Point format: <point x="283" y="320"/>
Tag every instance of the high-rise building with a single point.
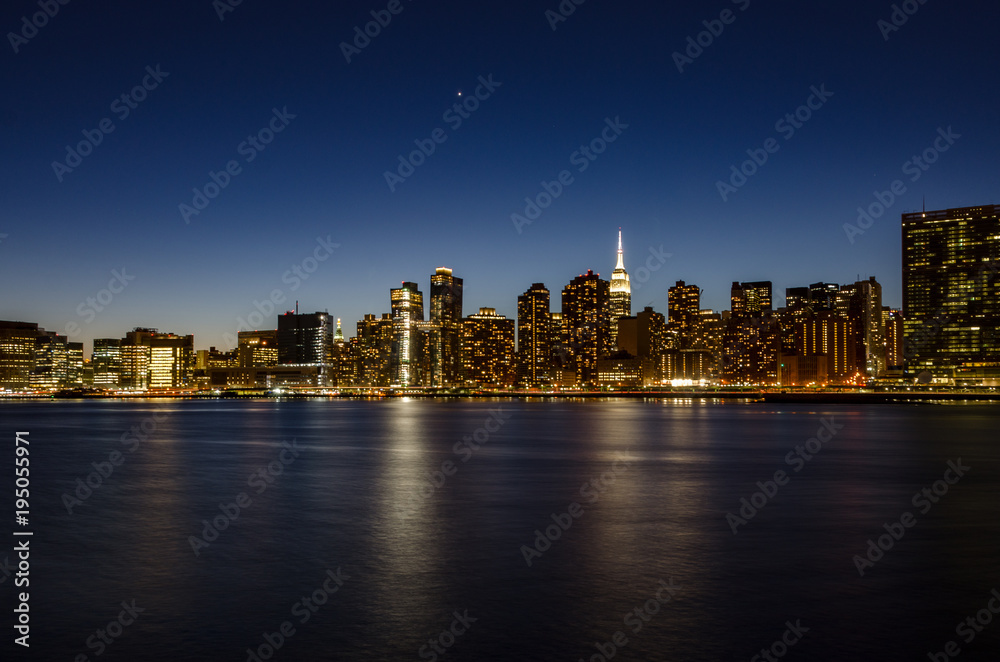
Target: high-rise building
<point x="171" y="361"/>
<point x="892" y="322"/>
<point x="644" y="338"/>
<point x="534" y="337"/>
<point x="135" y="359"/>
<point x="683" y="309"/>
<point x="305" y="339"/>
<point x="750" y="351"/>
<point x="446" y="335"/>
<point x="347" y="359"/>
<point x="866" y="311"/>
<point x="51" y="369"/>
<point x="17" y="354"/>
<point x="107" y="361"/>
<point x="833" y="336"/>
<point x="257" y="349"/>
<point x="374" y="350"/>
<point x="338" y="335"/>
<point x="74" y="365"/>
<point x="488" y="349"/>
<point x="750" y="299"/>
<point x="644" y="335"/>
<point x="823" y="296"/>
<point x="587" y="317"/>
<point x="406" y="357"/>
<point x="796" y="297"/>
<point x="951" y="293"/>
<point x="621" y="291"/>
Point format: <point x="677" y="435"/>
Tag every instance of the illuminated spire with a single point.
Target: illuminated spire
<point x="621" y="288"/>
<point x="338" y="337"/>
<point x="621" y="255"/>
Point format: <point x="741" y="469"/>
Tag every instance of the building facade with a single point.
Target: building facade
<point x="446" y="338"/>
<point x="534" y="337"/>
<point x="488" y="349"/>
<point x="586" y="314"/>
<point x="951" y="293"/>
<point x="620" y="292"/>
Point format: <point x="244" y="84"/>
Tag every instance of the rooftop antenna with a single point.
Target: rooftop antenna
<point x="296" y="306"/>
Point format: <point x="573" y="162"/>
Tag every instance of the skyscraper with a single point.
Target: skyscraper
<point x="866" y="309"/>
<point x="446" y="336"/>
<point x="534" y="336"/>
<point x="17" y="354"/>
<point x="107" y="361"/>
<point x="488" y="349"/>
<point x="171" y="360"/>
<point x="51" y="361"/>
<point x="135" y="359"/>
<point x="621" y="291"/>
<point x="684" y="312"/>
<point x="407" y="311"/>
<point x="750" y="299"/>
<point x="586" y="313"/>
<point x="305" y="339"/>
<point x="338" y="335"/>
<point x="374" y="349"/>
<point x="892" y="324"/>
<point x="951" y="293"/>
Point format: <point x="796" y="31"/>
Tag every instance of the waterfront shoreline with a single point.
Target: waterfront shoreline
<point x="764" y="397"/>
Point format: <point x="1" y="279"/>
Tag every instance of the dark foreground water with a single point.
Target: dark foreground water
<point x="404" y="557"/>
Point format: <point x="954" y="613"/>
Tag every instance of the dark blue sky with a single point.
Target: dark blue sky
<point x="323" y="175"/>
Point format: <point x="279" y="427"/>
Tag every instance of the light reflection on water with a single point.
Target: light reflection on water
<point x="352" y="499"/>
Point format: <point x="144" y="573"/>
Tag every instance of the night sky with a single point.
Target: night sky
<point x="323" y="175"/>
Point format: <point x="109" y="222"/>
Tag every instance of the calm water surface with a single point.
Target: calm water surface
<point x="360" y="496"/>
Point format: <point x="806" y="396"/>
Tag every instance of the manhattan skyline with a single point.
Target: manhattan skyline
<point x="345" y="124"/>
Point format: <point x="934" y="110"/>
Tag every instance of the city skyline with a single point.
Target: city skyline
<point x="321" y="171"/>
<point x="255" y="312"/>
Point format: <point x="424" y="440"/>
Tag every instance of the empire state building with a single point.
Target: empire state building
<point x="621" y="293"/>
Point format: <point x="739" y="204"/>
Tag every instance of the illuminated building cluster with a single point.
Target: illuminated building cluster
<point x="825" y="334"/>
